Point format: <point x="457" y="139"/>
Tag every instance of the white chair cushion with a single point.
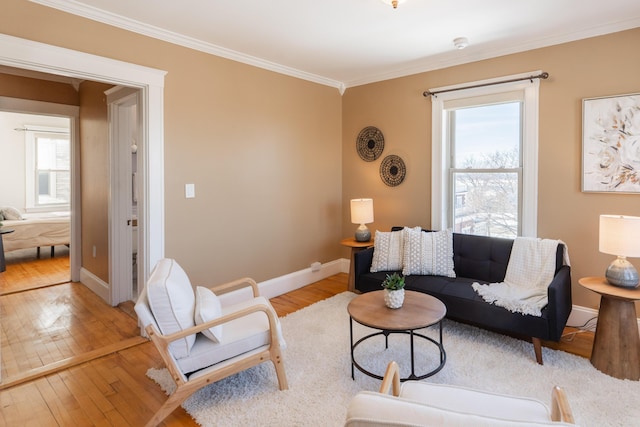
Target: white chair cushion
<point x="172" y="303"/>
<point x="368" y="409"/>
<point x="208" y="308"/>
<point x="240" y="336"/>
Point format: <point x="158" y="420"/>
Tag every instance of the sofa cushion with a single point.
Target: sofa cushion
<point x="428" y="253"/>
<point x="172" y="303"/>
<point x="388" y="251"/>
<point x="480" y="257"/>
<point x="208" y="308"/>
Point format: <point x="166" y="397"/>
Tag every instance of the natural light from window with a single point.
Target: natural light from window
<point x="486" y="169"/>
<point x="48" y="168"/>
<point x="53" y="182"/>
<point x="484" y="154"/>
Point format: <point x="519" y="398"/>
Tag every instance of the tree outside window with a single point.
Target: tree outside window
<point x="486" y="168"/>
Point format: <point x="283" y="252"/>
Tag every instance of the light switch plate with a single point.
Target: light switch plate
<point x="189" y="191"/>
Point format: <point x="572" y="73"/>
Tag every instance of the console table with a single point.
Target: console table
<point x="616" y="345"/>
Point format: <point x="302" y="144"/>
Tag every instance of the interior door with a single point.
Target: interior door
<point x="124" y="124"/>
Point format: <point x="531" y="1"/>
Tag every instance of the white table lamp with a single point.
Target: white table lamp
<point x="362" y="213"/>
<point x="620" y="236"/>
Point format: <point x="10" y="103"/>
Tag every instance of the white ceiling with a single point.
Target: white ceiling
<point x="345" y="43"/>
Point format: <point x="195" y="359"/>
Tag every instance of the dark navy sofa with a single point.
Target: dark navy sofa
<point x="484" y="260"/>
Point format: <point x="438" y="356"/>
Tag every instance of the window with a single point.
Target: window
<point x="485" y="160"/>
<point x="48" y="177"/>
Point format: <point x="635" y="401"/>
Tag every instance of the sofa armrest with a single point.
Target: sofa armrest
<point x="560" y="304"/>
<point x="362" y="263"/>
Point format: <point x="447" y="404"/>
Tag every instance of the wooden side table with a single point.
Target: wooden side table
<point x="616" y="345"/>
<point x="355" y="248"/>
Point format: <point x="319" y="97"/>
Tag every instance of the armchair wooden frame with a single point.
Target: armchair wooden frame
<point x="560" y="409"/>
<point x="185" y="386"/>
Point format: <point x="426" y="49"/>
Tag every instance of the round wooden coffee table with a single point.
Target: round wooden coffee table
<point x="418" y="311"/>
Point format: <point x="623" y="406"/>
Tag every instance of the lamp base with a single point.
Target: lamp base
<point x="363" y="234"/>
<point x="622" y="273"/>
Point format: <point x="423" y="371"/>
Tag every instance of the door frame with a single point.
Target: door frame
<point x="36" y="56"/>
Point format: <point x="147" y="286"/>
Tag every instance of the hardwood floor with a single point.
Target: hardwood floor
<point x="26" y="271"/>
<point x="104" y="385"/>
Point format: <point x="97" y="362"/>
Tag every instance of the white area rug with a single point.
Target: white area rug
<point x="318" y="368"/>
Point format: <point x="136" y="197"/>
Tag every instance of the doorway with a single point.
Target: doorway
<point x="25" y="54"/>
<point x="37" y="181"/>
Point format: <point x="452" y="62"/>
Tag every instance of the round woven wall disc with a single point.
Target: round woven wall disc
<point x="392" y="170"/>
<point x="370" y="143"/>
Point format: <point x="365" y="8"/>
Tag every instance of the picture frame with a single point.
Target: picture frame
<point x="611" y="144"/>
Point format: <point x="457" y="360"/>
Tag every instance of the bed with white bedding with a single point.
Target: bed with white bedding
<point x="36" y="231"/>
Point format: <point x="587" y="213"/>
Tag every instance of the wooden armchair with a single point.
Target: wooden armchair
<point x="207" y="335"/>
<point x="419" y="403"/>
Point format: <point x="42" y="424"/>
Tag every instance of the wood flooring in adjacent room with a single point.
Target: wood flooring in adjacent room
<point x="87" y="360"/>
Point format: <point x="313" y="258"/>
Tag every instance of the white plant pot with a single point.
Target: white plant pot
<point x="394" y="299"/>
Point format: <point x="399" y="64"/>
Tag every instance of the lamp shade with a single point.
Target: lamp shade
<point x="620" y="235"/>
<point x="361" y="211"/>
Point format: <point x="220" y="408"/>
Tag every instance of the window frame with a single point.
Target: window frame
<point x="441" y="153"/>
<point x="31" y="136"/>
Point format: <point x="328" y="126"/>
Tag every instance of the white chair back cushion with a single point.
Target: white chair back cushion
<point x="374" y="409"/>
<point x="172" y="303"/>
<point x="477" y="402"/>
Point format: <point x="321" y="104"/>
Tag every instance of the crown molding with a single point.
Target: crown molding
<point x="89" y="12"/>
<point x="450" y="59"/>
<point x="432" y="63"/>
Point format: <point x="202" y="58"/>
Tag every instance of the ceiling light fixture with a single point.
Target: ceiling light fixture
<point x="394" y="3"/>
<point x="460" y="42"/>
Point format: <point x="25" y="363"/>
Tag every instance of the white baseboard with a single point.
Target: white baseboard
<point x="581" y="315"/>
<point x="93" y="282"/>
<point x="292" y="281"/>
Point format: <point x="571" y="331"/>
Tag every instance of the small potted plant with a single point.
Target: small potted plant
<point x="393" y="290"/>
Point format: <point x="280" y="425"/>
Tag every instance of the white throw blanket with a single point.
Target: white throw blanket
<point x="531" y="268"/>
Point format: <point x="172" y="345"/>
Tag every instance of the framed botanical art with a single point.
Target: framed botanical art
<point x="611" y="144"/>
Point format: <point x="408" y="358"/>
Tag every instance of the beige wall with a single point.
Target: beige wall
<point x="94" y="175"/>
<point x="37" y="90"/>
<point x="274" y="162"/>
<point x="263" y="149"/>
<point x="590" y="68"/>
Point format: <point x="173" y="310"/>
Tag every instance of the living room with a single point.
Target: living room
<point x="273" y="156"/>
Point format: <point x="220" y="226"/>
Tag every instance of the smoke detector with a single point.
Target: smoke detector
<point x="460" y="42"/>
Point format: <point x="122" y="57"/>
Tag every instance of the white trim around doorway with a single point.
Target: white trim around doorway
<point x="36" y="56"/>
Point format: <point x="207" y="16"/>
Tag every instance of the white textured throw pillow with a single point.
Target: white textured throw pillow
<point x="428" y="252"/>
<point x="208" y="308"/>
<point x="388" y="251"/>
